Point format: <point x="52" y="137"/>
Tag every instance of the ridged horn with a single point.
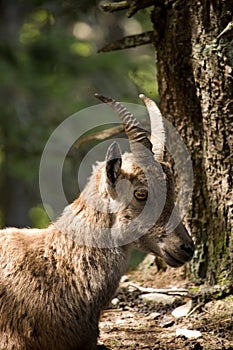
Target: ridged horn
<point x="158" y="135"/>
<point x="133" y="129"/>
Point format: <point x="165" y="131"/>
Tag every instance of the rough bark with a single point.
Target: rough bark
<point x="195" y="64"/>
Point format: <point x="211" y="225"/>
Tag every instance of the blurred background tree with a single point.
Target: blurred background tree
<point x="50" y="69"/>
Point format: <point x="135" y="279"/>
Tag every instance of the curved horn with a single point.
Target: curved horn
<point x="158" y="136"/>
<point x="133" y="129"/>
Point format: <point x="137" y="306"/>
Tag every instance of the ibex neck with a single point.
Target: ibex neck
<point x="84" y="224"/>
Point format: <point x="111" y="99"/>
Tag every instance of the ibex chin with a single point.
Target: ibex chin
<point x="55" y="282"/>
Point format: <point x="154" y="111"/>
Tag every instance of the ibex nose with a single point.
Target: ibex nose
<point x="188" y="249"/>
<point x="187" y="246"/>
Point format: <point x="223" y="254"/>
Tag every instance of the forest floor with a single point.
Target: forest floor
<point x="132" y="323"/>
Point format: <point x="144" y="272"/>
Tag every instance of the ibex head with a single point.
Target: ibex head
<point x="140" y="191"/>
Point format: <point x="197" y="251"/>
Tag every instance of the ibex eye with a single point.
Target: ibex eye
<point x="141" y="195"/>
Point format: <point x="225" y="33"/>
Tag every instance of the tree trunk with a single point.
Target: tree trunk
<point x="195" y="63"/>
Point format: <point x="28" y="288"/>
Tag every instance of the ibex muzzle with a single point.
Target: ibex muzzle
<point x="177" y="247"/>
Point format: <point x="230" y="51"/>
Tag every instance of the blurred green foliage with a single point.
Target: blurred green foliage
<point x="39" y="216"/>
<point x="136" y="258"/>
<point x="49" y="69"/>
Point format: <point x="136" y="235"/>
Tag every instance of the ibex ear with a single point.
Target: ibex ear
<point x="113" y="162"/>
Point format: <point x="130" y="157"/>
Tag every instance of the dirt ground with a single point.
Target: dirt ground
<point x="133" y="324"/>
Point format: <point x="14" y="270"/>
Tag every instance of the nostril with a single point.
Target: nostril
<point x="188" y="249"/>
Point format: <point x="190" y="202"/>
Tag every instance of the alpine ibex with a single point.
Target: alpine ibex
<point x="54" y="282"/>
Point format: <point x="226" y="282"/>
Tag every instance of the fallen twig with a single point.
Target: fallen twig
<point x="175" y="291"/>
<point x="195" y="308"/>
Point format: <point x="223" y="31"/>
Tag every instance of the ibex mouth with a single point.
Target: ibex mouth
<point x="178" y="248"/>
<point x="174" y="261"/>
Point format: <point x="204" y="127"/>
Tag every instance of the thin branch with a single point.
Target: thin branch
<point x="226" y="30"/>
<point x="132" y="6"/>
<point x="114" y="6"/>
<point x="104" y="134"/>
<point x="137" y="5"/>
<point x="129" y="41"/>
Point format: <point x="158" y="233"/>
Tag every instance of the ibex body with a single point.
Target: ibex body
<point x="54" y="282"/>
